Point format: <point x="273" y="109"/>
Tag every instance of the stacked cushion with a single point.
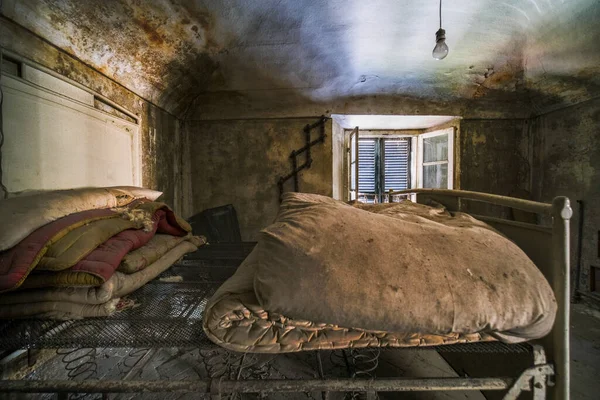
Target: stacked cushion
<point x="77" y="239"/>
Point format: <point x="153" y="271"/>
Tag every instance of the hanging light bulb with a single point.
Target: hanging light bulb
<point x="440" y="51"/>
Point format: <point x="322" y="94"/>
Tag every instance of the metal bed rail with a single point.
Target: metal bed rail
<point x="533" y="379"/>
<point x="512" y="202"/>
<point x="217" y="388"/>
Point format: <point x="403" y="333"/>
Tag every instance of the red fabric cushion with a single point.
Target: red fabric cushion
<point x="17" y="262"/>
<point x="104" y="260"/>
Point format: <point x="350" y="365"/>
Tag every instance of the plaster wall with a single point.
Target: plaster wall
<point x="241" y="161"/>
<point x="493" y="157"/>
<point x="566" y="162"/>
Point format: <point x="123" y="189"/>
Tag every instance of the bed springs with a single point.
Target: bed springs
<point x="364" y="362"/>
<point x="131" y="360"/>
<point x="80" y="364"/>
<point x="359" y="364"/>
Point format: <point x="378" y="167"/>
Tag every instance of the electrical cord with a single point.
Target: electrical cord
<point x="440" y="14"/>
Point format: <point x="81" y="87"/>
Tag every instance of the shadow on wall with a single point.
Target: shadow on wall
<point x="241" y="161"/>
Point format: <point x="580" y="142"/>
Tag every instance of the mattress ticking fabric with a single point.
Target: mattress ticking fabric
<point x="85" y="248"/>
<point x="27" y="212"/>
<point x="329" y="275"/>
<point x="65" y="303"/>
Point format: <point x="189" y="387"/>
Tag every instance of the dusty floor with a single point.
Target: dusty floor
<point x="585" y="353"/>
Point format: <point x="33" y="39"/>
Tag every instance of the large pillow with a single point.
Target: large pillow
<point x="20" y="216"/>
<point x="326" y="261"/>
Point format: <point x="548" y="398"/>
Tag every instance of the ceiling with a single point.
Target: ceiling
<point x="392" y="122"/>
<point x="327" y="52"/>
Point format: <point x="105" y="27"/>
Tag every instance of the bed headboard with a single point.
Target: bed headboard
<point x="548" y="248"/>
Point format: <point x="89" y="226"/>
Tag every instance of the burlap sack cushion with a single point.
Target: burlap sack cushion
<point x="326" y="261"/>
<point x="22" y="215"/>
<point x="235" y="320"/>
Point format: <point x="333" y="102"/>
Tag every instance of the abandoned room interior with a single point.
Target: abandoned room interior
<point x="323" y="199"/>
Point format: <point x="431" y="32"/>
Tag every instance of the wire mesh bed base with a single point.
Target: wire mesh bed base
<point x="108" y="355"/>
<point x="167" y="312"/>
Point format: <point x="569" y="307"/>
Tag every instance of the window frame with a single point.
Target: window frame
<point x="450" y="162"/>
<point x="352" y="163"/>
<point x="415" y="157"/>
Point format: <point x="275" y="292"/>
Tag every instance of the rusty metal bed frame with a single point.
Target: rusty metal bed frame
<point x="170" y="315"/>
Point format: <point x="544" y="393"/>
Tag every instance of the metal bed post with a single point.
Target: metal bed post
<point x="562" y="213"/>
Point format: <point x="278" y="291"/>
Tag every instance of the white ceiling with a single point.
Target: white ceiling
<point x="391" y="122"/>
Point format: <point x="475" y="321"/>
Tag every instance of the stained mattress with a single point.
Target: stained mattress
<point x="328" y="275"/>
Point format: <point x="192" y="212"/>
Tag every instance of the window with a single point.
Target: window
<point x="378" y="163"/>
<point x="435" y="160"/>
<point x="383" y="165"/>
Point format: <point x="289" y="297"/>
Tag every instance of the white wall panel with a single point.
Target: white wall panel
<point x="53" y="141"/>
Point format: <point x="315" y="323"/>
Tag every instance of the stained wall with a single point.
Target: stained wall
<point x="239" y="162"/>
<point x="566" y="162"/>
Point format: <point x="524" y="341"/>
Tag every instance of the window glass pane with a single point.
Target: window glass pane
<point x="435" y="176"/>
<point x="353" y="176"/>
<point x="435" y="148"/>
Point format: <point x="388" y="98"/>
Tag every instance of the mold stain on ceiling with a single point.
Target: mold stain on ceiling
<point x="172" y="51"/>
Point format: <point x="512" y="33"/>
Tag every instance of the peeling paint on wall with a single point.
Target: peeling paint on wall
<point x="159" y="50"/>
<point x="266" y="58"/>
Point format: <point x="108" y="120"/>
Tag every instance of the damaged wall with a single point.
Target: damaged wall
<point x="159" y="50"/>
<point x="161" y="137"/>
<point x="566" y="162"/>
<point x="240" y="162"/>
<point x="494" y="156"/>
<point x="163" y="155"/>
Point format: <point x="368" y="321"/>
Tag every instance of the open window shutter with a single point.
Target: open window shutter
<point x="367" y="149"/>
<point x="435" y="160"/>
<point x="396" y="159"/>
<point x="353" y="164"/>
